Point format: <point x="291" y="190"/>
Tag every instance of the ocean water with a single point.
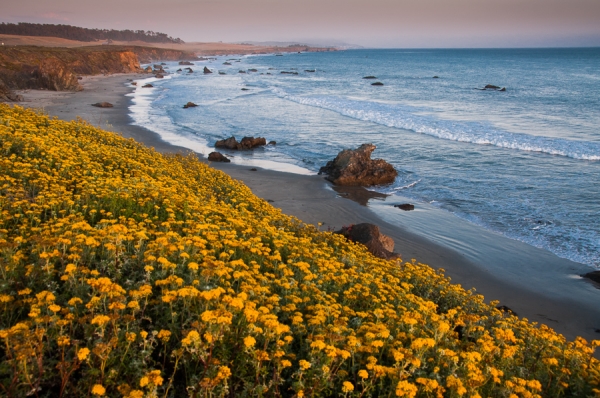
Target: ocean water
<point x="524" y="162"/>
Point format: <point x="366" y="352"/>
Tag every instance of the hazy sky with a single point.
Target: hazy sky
<point x="372" y="23"/>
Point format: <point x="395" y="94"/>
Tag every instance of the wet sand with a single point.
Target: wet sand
<point x="537" y="285"/>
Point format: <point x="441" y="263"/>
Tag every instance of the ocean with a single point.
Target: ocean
<point x="523" y="163"/>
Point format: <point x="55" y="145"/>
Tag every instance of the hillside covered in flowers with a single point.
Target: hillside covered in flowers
<point x="127" y="273"/>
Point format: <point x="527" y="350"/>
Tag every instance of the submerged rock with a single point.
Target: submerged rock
<point x="103" y="105"/>
<point x="189" y="105"/>
<point x="378" y="244"/>
<point x="377" y="84"/>
<point x="370" y="77"/>
<point x="207" y="71"/>
<point x="405" y="206"/>
<point x="218" y="157"/>
<point x="147" y="85"/>
<point x="185" y="63"/>
<point x="355" y="167"/>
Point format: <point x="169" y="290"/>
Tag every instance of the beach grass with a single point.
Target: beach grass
<point x="125" y="272"/>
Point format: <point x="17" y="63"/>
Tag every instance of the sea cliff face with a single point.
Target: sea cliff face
<point x="52" y="68"/>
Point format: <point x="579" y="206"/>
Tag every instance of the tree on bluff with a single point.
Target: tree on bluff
<point x="84" y="34"/>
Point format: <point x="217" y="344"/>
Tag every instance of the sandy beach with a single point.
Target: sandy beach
<point x="557" y="298"/>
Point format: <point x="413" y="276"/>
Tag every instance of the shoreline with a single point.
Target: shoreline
<point x="311" y="199"/>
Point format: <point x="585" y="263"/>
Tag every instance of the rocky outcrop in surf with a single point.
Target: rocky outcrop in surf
<point x="355" y="167"/>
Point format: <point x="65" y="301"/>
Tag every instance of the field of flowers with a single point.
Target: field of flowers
<point x="127" y="273"/>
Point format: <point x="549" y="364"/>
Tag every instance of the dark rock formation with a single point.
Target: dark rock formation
<point x="148" y="69"/>
<point x="245" y="143"/>
<point x="189" y="105"/>
<point x="245" y="89"/>
<point x="103" y="105"/>
<point x="594" y="276"/>
<point x="492" y="87"/>
<point x="159" y="76"/>
<point x="242" y="71"/>
<point x="252" y="70"/>
<point x="377" y="84"/>
<point x="251" y="142"/>
<point x="436" y="77"/>
<point x="378" y="244"/>
<point x="222" y="73"/>
<point x="179" y="70"/>
<point x="283" y="72"/>
<point x="134" y="83"/>
<point x="156" y="66"/>
<point x="310" y="70"/>
<point x="502" y="89"/>
<point x="207" y="71"/>
<point x="147" y="85"/>
<point x="185" y="63"/>
<point x="6" y="94"/>
<point x="272" y="143"/>
<point x="370" y="77"/>
<point x="355" y="167"/>
<point x="226" y="63"/>
<point x="217" y="157"/>
<point x="405" y="206"/>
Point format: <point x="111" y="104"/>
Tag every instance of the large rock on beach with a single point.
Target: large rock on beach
<point x="378" y="244"/>
<point x="594" y="276"/>
<point x="245" y="143"/>
<point x="217" y="157"/>
<point x="355" y="167"/>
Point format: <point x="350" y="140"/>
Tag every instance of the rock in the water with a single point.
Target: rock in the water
<point x="594" y="275"/>
<point x="147" y="85"/>
<point x="229" y="143"/>
<point x="222" y="73"/>
<point x="252" y="70"/>
<point x="148" y="69"/>
<point x="492" y="87"/>
<point x="207" y="71"/>
<point x="502" y="89"/>
<point x="189" y="105"/>
<point x="226" y="63"/>
<point x="283" y="72"/>
<point x="377" y="84"/>
<point x="179" y="70"/>
<point x="310" y="70"/>
<point x="159" y="76"/>
<point x="405" y="206"/>
<point x="370" y="77"/>
<point x="217" y="157"/>
<point x="245" y="143"/>
<point x="242" y="71"/>
<point x="436" y="77"/>
<point x="355" y="167"/>
<point x="378" y="244"/>
<point x="272" y="143"/>
<point x="134" y="83"/>
<point x="103" y="105"/>
<point x="245" y="89"/>
<point x="156" y="66"/>
<point x="251" y="142"/>
<point x="185" y="63"/>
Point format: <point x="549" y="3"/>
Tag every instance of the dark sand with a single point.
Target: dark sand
<point x="572" y="311"/>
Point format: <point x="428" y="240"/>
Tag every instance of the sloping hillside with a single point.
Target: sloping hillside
<point x="127" y="273"/>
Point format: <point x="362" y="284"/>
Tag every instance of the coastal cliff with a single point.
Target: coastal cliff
<point x="54" y="68"/>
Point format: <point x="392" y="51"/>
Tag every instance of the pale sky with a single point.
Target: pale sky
<point x="372" y="23"/>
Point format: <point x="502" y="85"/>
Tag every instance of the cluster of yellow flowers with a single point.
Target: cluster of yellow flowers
<point x="127" y="273"/>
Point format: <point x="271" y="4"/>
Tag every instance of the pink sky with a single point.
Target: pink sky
<point x="373" y="23"/>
